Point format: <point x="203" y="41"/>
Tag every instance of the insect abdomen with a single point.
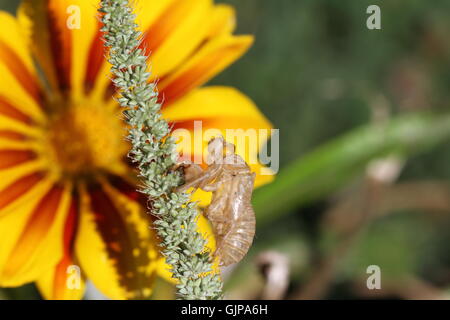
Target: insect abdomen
<point x="235" y="244"/>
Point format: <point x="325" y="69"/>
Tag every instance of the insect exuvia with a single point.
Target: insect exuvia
<point x="231" y="214"/>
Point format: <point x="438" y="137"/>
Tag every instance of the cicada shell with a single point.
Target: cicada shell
<point x="231" y="214"/>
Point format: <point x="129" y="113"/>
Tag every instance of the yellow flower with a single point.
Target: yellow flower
<point x="67" y="191"/>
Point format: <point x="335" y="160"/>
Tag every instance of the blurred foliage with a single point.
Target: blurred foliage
<point x="397" y="244"/>
<point x="319" y="73"/>
<point x="323" y="79"/>
<point x="315" y="68"/>
<point x="337" y="162"/>
<point x="9" y="5"/>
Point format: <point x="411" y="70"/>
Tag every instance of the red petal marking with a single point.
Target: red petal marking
<point x="20" y="71"/>
<point x="121" y="238"/>
<point x="111" y="227"/>
<point x="12" y="135"/>
<point x="6" y="109"/>
<point x="96" y="59"/>
<point x="190" y="79"/>
<point x="154" y="37"/>
<point x="60" y="45"/>
<point x="127" y="189"/>
<point x="11" y="158"/>
<point x="37" y="227"/>
<point x="60" y="278"/>
<point x="70" y="227"/>
<point x="18" y="188"/>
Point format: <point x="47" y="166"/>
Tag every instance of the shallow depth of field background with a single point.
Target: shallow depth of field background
<point x="318" y="73"/>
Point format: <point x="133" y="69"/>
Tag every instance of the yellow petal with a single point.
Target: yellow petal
<point x="65" y="281"/>
<point x="15" y="56"/>
<point x="12" y="225"/>
<point x="14" y="39"/>
<point x="13" y="120"/>
<point x="15" y="125"/>
<point x="208" y="112"/>
<point x="172" y="30"/>
<point x="45" y="26"/>
<point x="13" y="94"/>
<point x="32" y="18"/>
<point x="148" y="11"/>
<point x="57" y="282"/>
<point x="98" y="73"/>
<point x="11" y="144"/>
<point x="115" y="245"/>
<point x="34" y="238"/>
<point x="209" y="60"/>
<point x="223" y="20"/>
<point x="83" y="35"/>
<point x="177" y="33"/>
<point x="24" y="183"/>
<point x="216" y="102"/>
<point x="13" y="153"/>
<point x="202" y="197"/>
<point x="11" y="112"/>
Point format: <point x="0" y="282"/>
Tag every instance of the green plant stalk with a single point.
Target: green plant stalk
<point x="154" y="153"/>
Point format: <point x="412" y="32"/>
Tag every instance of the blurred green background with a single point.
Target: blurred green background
<point x="342" y="97"/>
<point x="323" y="77"/>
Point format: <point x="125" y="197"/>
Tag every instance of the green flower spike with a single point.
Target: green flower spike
<point x="154" y="153"/>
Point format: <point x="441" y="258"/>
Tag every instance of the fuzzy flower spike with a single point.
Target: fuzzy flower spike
<point x="154" y="152"/>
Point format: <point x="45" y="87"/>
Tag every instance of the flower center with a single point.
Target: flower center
<point x="87" y="137"/>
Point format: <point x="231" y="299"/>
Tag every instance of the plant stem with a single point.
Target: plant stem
<point x="154" y="153"/>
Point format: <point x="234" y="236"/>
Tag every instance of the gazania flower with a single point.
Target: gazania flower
<point x="67" y="191"/>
